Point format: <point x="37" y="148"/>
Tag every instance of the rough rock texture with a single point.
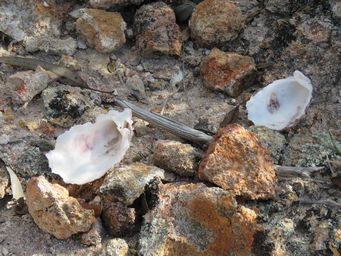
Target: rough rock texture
<point x="106" y="4"/>
<point x="94" y="235"/>
<point x="65" y="104"/>
<point x="192" y="219"/>
<point x="176" y="157"/>
<point x="272" y="140"/>
<point x="54" y="211"/>
<point x="118" y="219"/>
<point x="102" y="30"/>
<point x="215" y="22"/>
<point x="227" y="72"/>
<point x="4" y="181"/>
<point x="156" y="29"/>
<point x="51" y="45"/>
<point x="23" y="86"/>
<point x="20" y="19"/>
<point x="128" y="181"/>
<point x="237" y="162"/>
<point x="115" y="247"/>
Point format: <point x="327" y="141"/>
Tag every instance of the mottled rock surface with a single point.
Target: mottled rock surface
<point x="64" y="105"/>
<point x="227" y="72"/>
<point x="118" y="219"/>
<point x="176" y="157"/>
<point x="102" y="30"/>
<point x="215" y="22"/>
<point x="4" y="181"/>
<point x="115" y="247"/>
<point x="237" y="162"/>
<point x="192" y="219"/>
<point x="272" y="140"/>
<point x="106" y="4"/>
<point x="94" y="235"/>
<point x="23" y="86"/>
<point x="51" y="45"/>
<point x="127" y="182"/>
<point x="54" y="211"/>
<point x="156" y="30"/>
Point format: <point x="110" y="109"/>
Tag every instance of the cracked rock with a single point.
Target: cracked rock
<point x="54" y="211"/>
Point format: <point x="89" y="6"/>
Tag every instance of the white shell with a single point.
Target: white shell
<point x="86" y="152"/>
<point x="278" y="105"/>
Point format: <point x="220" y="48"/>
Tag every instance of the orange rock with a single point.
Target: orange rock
<point x="237" y="162"/>
<point x="54" y="211"/>
<point x="215" y="22"/>
<point x="156" y="30"/>
<point x="226" y="72"/>
<point x="102" y="30"/>
<point x="192" y="219"/>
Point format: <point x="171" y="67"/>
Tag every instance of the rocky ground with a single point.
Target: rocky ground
<point x="195" y="62"/>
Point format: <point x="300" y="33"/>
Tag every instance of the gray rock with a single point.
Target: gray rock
<point x="3" y="181"/>
<point x="176" y="157"/>
<point x="127" y="183"/>
<point x="272" y="140"/>
<point x="64" y="105"/>
<point x="51" y="45"/>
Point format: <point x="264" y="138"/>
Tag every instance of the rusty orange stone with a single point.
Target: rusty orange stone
<point x="237" y="162"/>
<point x="227" y="72"/>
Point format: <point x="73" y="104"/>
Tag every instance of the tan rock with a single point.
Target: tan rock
<point x="156" y="30"/>
<point x="215" y="22"/>
<point x="227" y="72"/>
<point x="102" y="30"/>
<point x="3" y="181"/>
<point x="54" y="211"/>
<point x="176" y="157"/>
<point x="115" y="247"/>
<point x="237" y="162"/>
<point x="192" y="219"/>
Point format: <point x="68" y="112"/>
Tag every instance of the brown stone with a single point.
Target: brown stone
<point x="237" y="162"/>
<point x="54" y="211"/>
<point x="118" y="219"/>
<point x="192" y="219"/>
<point x="226" y="72"/>
<point x="215" y="22"/>
<point x="176" y="157"/>
<point x="102" y="30"/>
<point x="156" y="30"/>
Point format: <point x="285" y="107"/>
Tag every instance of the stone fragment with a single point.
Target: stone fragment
<point x="156" y="30"/>
<point x="64" y="105"/>
<point x="54" y="211"/>
<point x="115" y="247"/>
<point x="272" y="140"/>
<point x="20" y="19"/>
<point x="136" y="87"/>
<point x="215" y="22"/>
<point x="51" y="45"/>
<point x="237" y="162"/>
<point x="227" y="72"/>
<point x="278" y="6"/>
<point x="118" y="219"/>
<point x="192" y="219"/>
<point x="102" y="30"/>
<point x="127" y="183"/>
<point x="94" y="235"/>
<point x="106" y="4"/>
<point x="316" y="30"/>
<point x="23" y="86"/>
<point x="3" y="181"/>
<point x="176" y="157"/>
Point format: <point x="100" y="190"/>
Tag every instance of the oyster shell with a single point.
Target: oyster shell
<point x="86" y="152"/>
<point x="281" y="103"/>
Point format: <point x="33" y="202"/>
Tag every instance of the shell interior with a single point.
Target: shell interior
<point x="278" y="105"/>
